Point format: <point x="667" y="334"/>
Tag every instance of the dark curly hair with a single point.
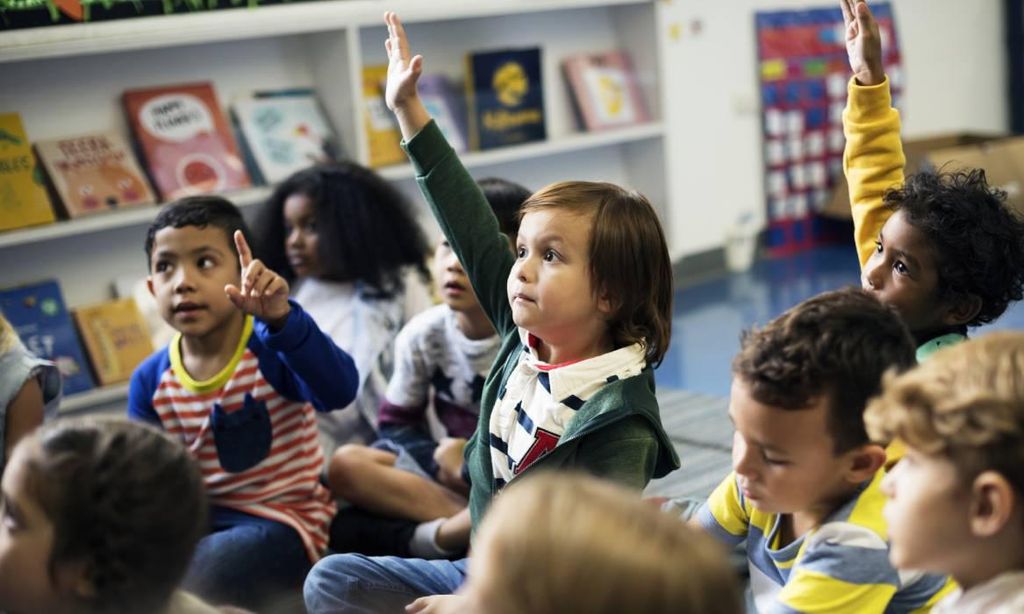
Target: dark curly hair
<point x="126" y="501"/>
<point x="978" y="242"/>
<point x="198" y="211"/>
<point x="505" y="198"/>
<point x="838" y="344"/>
<point x="368" y="232"/>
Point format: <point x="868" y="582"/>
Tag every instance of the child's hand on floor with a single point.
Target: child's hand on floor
<point x="264" y="293"/>
<point x="439" y="604"/>
<point x="863" y="42"/>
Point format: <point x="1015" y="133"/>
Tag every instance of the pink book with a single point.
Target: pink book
<point x="604" y="89"/>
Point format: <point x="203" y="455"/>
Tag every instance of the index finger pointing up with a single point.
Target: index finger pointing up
<point x="244" y="253"/>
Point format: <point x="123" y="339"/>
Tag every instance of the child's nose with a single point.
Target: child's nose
<point x="873" y="273"/>
<point x="182" y="279"/>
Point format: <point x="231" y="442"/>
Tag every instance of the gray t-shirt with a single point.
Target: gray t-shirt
<point x="17" y="365"/>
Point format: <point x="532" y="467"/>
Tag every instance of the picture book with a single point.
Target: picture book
<point x="94" y="173"/>
<point x="185" y="139"/>
<point x="283" y="132"/>
<point x="382" y="133"/>
<point x="23" y="198"/>
<point x="447" y="105"/>
<point x="38" y="314"/>
<point x="505" y="97"/>
<point x="115" y="337"/>
<point x="604" y="90"/>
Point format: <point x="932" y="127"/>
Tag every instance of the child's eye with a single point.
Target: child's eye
<point x="205" y="262"/>
<point x="878" y="247"/>
<point x="161" y="266"/>
<point x="901" y="268"/>
<point x="521" y="252"/>
<point x="311" y="227"/>
<point x="550" y="255"/>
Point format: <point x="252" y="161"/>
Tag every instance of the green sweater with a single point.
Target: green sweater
<point x="617" y="433"/>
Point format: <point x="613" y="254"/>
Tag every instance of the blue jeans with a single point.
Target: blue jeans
<point x="247" y="561"/>
<point x="358" y="584"/>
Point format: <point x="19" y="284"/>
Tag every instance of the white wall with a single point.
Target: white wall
<point x="954" y="64"/>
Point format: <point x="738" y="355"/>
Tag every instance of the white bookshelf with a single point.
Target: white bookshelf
<point x="67" y="80"/>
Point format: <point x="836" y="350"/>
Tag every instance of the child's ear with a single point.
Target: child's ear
<point x="73" y="579"/>
<point x="992" y="504"/>
<point x="962" y="310"/>
<point x="149" y="284"/>
<point x="865" y="461"/>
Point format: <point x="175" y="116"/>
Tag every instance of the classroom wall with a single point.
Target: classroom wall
<point x="954" y="64"/>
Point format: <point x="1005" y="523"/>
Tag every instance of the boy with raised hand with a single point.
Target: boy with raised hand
<point x="804" y="492"/>
<point x="956" y="500"/>
<point x="238" y="385"/>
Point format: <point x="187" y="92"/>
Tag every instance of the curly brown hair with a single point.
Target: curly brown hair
<point x="966" y="403"/>
<point x="629" y="259"/>
<point x="126" y="501"/>
<point x="839" y="344"/>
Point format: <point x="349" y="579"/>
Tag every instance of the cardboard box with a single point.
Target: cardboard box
<point x="1001" y="157"/>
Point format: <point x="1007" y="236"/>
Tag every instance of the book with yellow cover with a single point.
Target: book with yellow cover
<point x="115" y="337"/>
<point x="382" y="133"/>
<point x="23" y="198"/>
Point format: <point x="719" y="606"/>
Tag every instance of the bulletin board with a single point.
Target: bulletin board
<point x="804" y="71"/>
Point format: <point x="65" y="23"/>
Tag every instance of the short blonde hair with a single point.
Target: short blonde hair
<point x="8" y="336"/>
<point x="966" y="404"/>
<point x="571" y="543"/>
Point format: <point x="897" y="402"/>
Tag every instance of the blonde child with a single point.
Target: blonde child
<point x="956" y="500"/>
<point x="413" y="475"/>
<point x="584" y="312"/>
<point x="804" y="492"/>
<point x="349" y="244"/>
<point x="99" y="516"/>
<point x="571" y="543"/>
<point x="240" y="385"/>
<point x="29" y="390"/>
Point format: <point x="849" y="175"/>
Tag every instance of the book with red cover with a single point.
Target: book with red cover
<point x="185" y="139"/>
<point x="604" y="90"/>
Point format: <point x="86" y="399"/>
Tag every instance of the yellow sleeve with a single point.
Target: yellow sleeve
<point x="811" y="591"/>
<point x="724" y="515"/>
<point x="873" y="160"/>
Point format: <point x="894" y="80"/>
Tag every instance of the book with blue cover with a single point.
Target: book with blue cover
<point x="40" y="317"/>
<point x="283" y="132"/>
<point x="506" y="98"/>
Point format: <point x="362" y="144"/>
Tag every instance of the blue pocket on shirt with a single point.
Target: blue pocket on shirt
<point x="243" y="436"/>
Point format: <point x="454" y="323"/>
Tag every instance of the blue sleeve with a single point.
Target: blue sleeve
<point x="142" y="387"/>
<point x="303" y="364"/>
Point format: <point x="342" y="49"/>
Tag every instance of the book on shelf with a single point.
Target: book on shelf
<point x="382" y="133"/>
<point x="446" y="103"/>
<point x="281" y="132"/>
<point x="115" y="337"/>
<point x="23" y="198"/>
<point x="185" y="140"/>
<point x="93" y="173"/>
<point x="39" y="316"/>
<point x="604" y="90"/>
<point x="505" y="96"/>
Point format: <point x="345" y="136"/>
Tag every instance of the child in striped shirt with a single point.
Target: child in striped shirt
<point x="238" y="385"/>
<point x="804" y="492"/>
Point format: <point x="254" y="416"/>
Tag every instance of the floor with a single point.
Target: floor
<point x="693" y="380"/>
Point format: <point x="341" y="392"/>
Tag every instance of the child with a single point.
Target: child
<point x="584" y="312"/>
<point x="943" y="249"/>
<point x="352" y="249"/>
<point x="804" y="491"/>
<point x="956" y="500"/>
<point x="531" y="549"/>
<point x="236" y="386"/>
<point x="99" y="516"/>
<point x="29" y="390"/>
<point x="442" y="357"/>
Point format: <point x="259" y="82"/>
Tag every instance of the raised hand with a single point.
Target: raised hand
<point x="404" y="71"/>
<point x="863" y="42"/>
<point x="264" y="293"/>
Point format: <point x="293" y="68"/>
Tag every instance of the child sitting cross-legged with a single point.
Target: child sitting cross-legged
<point x="805" y="491"/>
<point x="408" y="477"/>
<point x="956" y="500"/>
<point x="240" y="385"/>
<point x="583" y="308"/>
